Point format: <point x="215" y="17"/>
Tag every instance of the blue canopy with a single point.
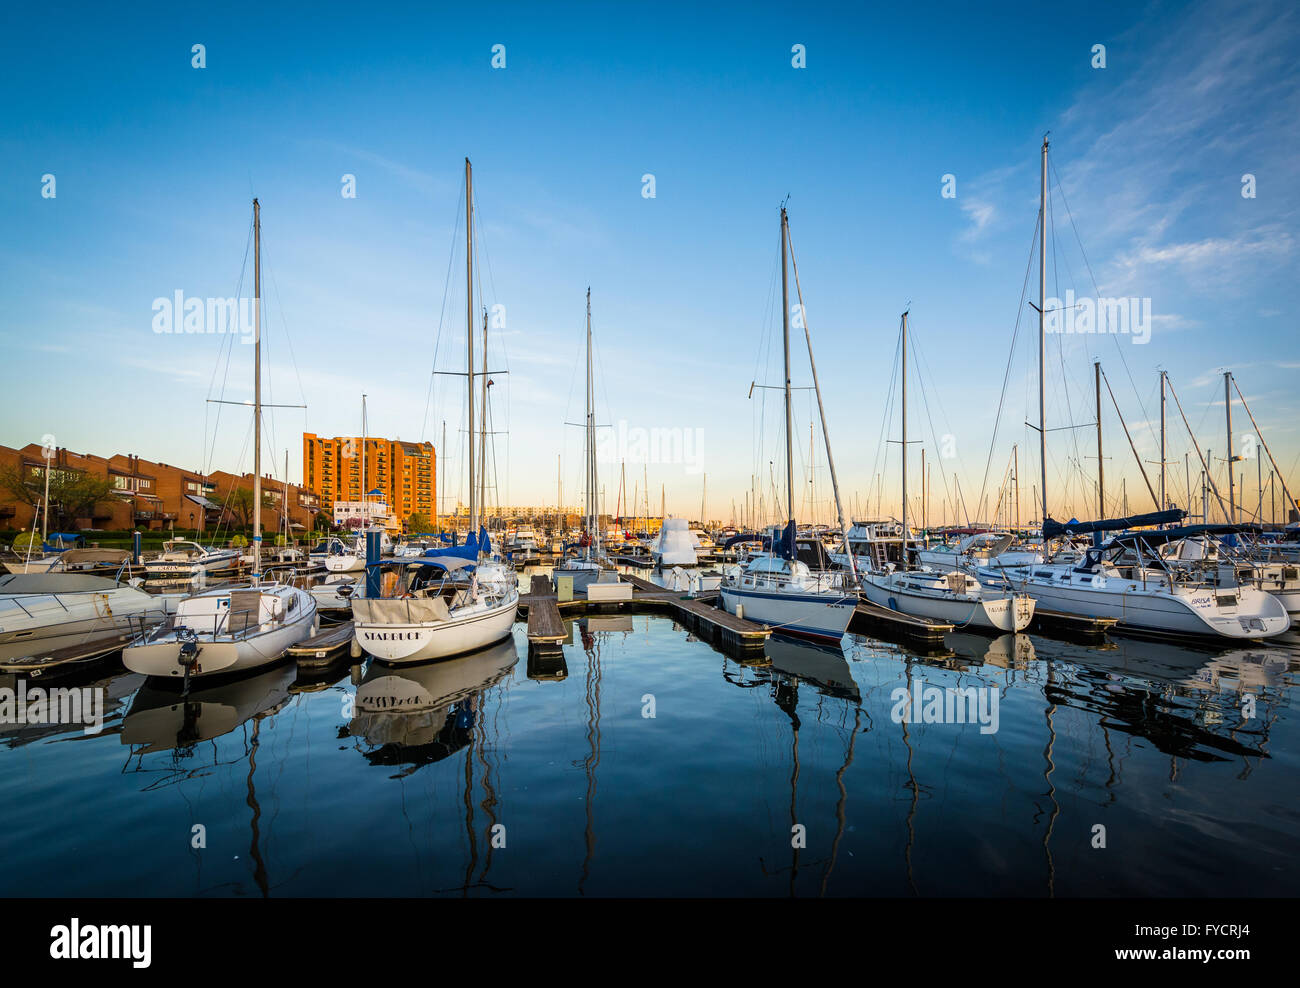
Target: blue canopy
<point x="470" y="550"/>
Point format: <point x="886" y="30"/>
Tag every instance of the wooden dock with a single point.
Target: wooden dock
<point x="699" y="614"/>
<point x="545" y="626"/>
<point x="328" y="645"/>
<point x="1070" y="625"/>
<point x="915" y="628"/>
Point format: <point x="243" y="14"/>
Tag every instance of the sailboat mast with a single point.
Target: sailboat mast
<point x="1101" y="469"/>
<point x="591" y="442"/>
<point x="365" y="435"/>
<point x="469" y="341"/>
<point x="1164" y="500"/>
<point x="484" y="427"/>
<point x="257" y="392"/>
<point x="904" y="446"/>
<point x="1042" y="330"/>
<point x="1227" y="404"/>
<point x="821" y="408"/>
<point x="785" y="336"/>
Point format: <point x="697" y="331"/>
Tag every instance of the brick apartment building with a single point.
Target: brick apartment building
<point x="405" y="473"/>
<point x="153" y="496"/>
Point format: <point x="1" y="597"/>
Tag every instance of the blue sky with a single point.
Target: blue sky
<point x="156" y="163"/>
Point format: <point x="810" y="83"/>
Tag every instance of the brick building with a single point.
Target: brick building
<point x="405" y="473"/>
<point x="150" y="495"/>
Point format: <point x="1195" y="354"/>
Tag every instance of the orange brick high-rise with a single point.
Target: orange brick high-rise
<point x="405" y="472"/>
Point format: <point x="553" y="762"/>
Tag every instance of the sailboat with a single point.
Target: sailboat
<point x="945" y="595"/>
<point x="776" y="588"/>
<point x="1141" y="591"/>
<point x="585" y="570"/>
<point x="435" y="621"/>
<point x="232" y="629"/>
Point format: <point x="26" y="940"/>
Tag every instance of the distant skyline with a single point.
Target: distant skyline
<point x="907" y="143"/>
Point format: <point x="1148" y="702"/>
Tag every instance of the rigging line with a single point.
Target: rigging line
<point x="1067" y="477"/>
<point x="1123" y="360"/>
<point x="437" y="340"/>
<point x="922" y="363"/>
<point x="228" y="343"/>
<point x="284" y="323"/>
<point x="1006" y="376"/>
<point x="880" y="460"/>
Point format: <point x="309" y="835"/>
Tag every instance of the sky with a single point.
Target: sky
<point x="155" y="163"/>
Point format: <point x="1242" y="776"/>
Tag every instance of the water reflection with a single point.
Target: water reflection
<point x="415" y="715"/>
<point x="160" y="719"/>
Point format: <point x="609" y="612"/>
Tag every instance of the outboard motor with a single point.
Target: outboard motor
<point x="188" y="656"/>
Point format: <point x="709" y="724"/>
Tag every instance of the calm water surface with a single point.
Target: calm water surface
<point x="497" y="775"/>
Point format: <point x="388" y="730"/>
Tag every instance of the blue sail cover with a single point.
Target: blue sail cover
<point x="1055" y="529"/>
<point x="470" y="550"/>
<point x="783" y="548"/>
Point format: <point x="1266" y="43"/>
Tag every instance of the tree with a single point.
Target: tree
<point x="418" y="521"/>
<point x="73" y="493"/>
<point x="239" y="501"/>
<point x="323" y="521"/>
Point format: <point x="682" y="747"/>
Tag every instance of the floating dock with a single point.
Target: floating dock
<point x="706" y="621"/>
<point x="328" y="645"/>
<point x="545" y="626"/>
<point x="918" y="629"/>
<point x="1059" y="624"/>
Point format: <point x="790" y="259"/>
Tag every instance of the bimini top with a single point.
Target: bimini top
<point x="452" y="564"/>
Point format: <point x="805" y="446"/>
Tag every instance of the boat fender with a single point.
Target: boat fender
<point x="893" y="604"/>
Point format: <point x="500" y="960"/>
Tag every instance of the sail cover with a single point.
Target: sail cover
<point x="1055" y="529"/>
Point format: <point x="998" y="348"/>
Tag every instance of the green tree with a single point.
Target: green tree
<point x="73" y="493"/>
<point x="323" y="521"/>
<point x="239" y="502"/>
<point x="418" y="521"/>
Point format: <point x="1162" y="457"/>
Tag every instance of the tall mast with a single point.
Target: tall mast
<point x="257" y="392"/>
<point x="284" y="507"/>
<point x="483" y="426"/>
<point x="440" y="468"/>
<point x="1164" y="500"/>
<point x="591" y="444"/>
<point x="1227" y="404"/>
<point x="1101" y="470"/>
<point x="1042" y="329"/>
<point x="904" y="447"/>
<point x="365" y="499"/>
<point x="469" y="341"/>
<point x="785" y="336"/>
<point x="821" y="409"/>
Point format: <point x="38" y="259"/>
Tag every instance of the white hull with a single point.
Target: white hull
<point x="189" y="567"/>
<point x="818" y="614"/>
<point x="226" y="653"/>
<point x="345" y="564"/>
<point x="35" y="624"/>
<point x="1009" y="614"/>
<point x="470" y="629"/>
<point x="1196" y="612"/>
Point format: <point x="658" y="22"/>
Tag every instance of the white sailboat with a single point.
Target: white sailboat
<point x="775" y="588"/>
<point x="585" y="570"/>
<point x="237" y="628"/>
<point x="952" y="595"/>
<point x="1143" y="594"/>
<point x="435" y="622"/>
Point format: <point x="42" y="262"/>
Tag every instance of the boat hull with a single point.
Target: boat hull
<point x="401" y="643"/>
<point x="162" y="658"/>
<point x="810" y="615"/>
<point x="1256" y="615"/>
<point x="1004" y="614"/>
